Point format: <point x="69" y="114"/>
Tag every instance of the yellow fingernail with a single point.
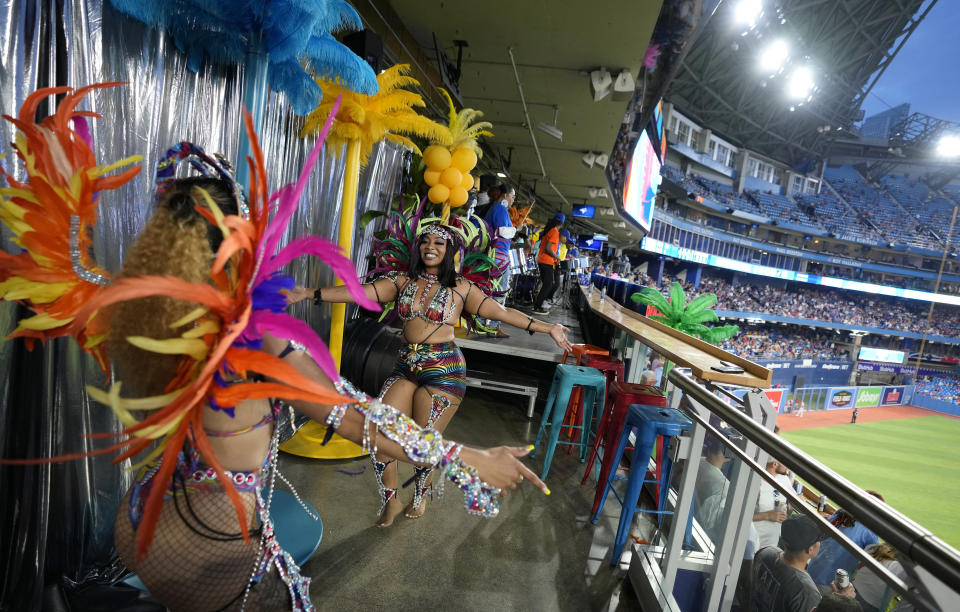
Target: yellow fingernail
<point x="546" y="492"/>
<point x="530" y="448"/>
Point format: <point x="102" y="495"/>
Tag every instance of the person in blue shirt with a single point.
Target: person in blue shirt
<point x="502" y="233"/>
<point x="832" y="555"/>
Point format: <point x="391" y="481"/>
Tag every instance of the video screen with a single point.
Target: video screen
<point x="586" y="211"/>
<point x="876" y="354"/>
<point x="589" y="244"/>
<point x="642" y="182"/>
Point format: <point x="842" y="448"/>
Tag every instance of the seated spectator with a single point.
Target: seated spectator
<point x="832" y="555"/>
<point x="873" y="593"/>
<point x="835" y="602"/>
<point x="710" y="490"/>
<point x="781" y="583"/>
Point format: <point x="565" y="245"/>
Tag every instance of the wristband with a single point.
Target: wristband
<point x="528" y="330"/>
<point x="317" y="296"/>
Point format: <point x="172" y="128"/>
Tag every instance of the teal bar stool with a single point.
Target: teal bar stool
<point x="593" y="383"/>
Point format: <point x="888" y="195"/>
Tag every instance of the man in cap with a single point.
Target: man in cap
<point x="781" y="582"/>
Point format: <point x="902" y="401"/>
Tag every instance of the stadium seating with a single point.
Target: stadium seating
<point x="780" y="208"/>
<point x="894" y="223"/>
<point x="931" y="210"/>
<point x="836" y="218"/>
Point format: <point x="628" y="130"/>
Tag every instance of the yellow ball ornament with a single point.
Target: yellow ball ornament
<point x="467" y="182"/>
<point x="436" y="157"/>
<point x="458" y="196"/>
<point x="431" y="177"/>
<point x="438" y="193"/>
<point x="451" y="177"/>
<point x="463" y="159"/>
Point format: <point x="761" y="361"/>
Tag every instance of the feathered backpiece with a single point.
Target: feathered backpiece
<point x="50" y="216"/>
<point x="471" y="237"/>
<point x="463" y="131"/>
<point x="367" y="119"/>
<point x="221" y="338"/>
<point x="294" y="37"/>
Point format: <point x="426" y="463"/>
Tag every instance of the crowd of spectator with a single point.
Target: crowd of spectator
<point x="945" y="388"/>
<point x="774" y="342"/>
<point x="834" y="306"/>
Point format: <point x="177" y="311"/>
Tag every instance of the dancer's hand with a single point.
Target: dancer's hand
<point x="500" y="467"/>
<point x="298" y="294"/>
<point x="558" y="335"/>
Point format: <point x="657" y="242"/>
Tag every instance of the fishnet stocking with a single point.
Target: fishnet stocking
<point x="187" y="571"/>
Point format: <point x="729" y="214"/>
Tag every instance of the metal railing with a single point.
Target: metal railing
<point x="909" y="538"/>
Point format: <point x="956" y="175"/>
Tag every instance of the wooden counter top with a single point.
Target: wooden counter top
<point x="683" y="350"/>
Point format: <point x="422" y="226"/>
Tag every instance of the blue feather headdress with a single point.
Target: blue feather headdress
<point x="294" y="35"/>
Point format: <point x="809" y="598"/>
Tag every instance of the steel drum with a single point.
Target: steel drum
<point x="518" y="261"/>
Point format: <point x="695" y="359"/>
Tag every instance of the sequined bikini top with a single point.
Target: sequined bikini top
<point x="440" y="308"/>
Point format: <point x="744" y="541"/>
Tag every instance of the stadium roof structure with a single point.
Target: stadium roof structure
<point x="525" y="64"/>
<point x="847" y="43"/>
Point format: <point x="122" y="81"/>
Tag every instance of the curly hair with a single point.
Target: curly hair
<point x="178" y="242"/>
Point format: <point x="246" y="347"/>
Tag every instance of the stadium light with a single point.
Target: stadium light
<point x="772" y="58"/>
<point x="949" y="145"/>
<point x="800" y="83"/>
<point x="748" y="12"/>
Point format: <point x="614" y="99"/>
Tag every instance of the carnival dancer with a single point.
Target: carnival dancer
<point x="429" y="379"/>
<point x="195" y="327"/>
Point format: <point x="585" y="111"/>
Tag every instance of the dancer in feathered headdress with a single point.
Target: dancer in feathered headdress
<point x="416" y="272"/>
<point x="203" y="353"/>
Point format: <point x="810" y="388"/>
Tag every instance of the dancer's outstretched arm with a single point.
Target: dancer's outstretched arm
<point x="382" y="290"/>
<point x="499" y="466"/>
<point x="481" y="305"/>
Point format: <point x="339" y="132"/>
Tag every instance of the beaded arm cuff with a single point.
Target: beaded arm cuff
<point x="420" y="445"/>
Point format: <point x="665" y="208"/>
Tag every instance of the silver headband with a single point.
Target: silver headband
<point x="437" y="230"/>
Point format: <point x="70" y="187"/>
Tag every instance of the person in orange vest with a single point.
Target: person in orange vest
<point x="548" y="261"/>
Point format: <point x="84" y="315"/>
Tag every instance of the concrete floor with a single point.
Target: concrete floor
<point x="541" y="553"/>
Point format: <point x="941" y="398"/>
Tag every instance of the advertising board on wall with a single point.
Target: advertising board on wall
<point x="892" y="396"/>
<point x="868" y="396"/>
<point x="842" y="397"/>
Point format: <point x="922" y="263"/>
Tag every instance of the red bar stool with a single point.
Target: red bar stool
<point x="621" y="395"/>
<point x="579" y="350"/>
<point x="613" y="369"/>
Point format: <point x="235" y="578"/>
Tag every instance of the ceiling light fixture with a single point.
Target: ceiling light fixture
<point x="800" y="83"/>
<point x="624" y="86"/>
<point x="748" y="12"/>
<point x="552" y="130"/>
<point x="588" y="159"/>
<point x="501" y="175"/>
<point x="602" y="160"/>
<point x="773" y="57"/>
<point x="600" y="82"/>
<point x="949" y="145"/>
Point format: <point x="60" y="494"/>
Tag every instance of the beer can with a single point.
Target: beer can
<point x="603" y="293"/>
<point x="822" y="505"/>
<point x="842" y="578"/>
<point x="798" y="487"/>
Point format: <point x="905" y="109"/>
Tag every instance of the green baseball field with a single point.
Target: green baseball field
<point x="914" y="463"/>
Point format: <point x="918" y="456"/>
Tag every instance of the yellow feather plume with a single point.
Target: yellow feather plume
<point x="463" y="131"/>
<point x="368" y="119"/>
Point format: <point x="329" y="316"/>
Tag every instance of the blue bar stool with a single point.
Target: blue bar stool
<point x="650" y="422"/>
<point x="565" y="378"/>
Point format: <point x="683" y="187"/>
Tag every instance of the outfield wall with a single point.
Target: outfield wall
<point x="815" y="372"/>
<point x="936" y="405"/>
<point x="847" y="398"/>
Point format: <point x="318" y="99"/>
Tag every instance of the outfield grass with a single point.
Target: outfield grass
<point x="914" y="463"/>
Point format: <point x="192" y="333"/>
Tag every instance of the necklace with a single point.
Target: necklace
<point x="430" y="280"/>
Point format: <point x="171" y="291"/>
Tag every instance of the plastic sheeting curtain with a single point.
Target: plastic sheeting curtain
<point x="56" y="521"/>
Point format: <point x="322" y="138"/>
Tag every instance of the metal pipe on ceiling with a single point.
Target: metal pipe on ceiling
<point x="526" y="116"/>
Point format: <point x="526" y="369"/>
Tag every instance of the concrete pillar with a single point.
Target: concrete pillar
<point x="696" y="276"/>
<point x="703" y="144"/>
<point x="740" y="165"/>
